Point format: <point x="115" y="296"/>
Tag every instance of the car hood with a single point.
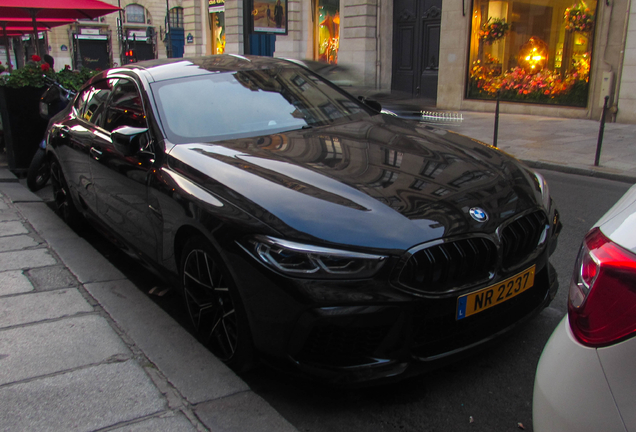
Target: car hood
<point x="380" y="183"/>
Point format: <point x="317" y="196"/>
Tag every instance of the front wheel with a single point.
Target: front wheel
<point x="214" y="305"/>
<point x="39" y="171"/>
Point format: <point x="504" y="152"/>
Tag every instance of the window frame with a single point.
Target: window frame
<point x="134" y="6"/>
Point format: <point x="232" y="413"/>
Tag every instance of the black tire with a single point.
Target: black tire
<point x="214" y="305"/>
<point x="64" y="205"/>
<point x="39" y="171"/>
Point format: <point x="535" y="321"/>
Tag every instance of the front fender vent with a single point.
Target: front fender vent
<point x="449" y="266"/>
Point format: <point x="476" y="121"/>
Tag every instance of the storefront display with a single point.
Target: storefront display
<point x="216" y="9"/>
<point x="531" y="51"/>
<point x="218" y="33"/>
<point x="327" y="31"/>
<point x="269" y="16"/>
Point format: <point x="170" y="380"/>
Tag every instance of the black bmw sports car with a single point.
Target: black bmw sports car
<point x="302" y="226"/>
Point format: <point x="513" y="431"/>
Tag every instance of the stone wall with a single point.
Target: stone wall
<point x="298" y="43"/>
<point x="358" y="44"/>
<point x="234" y="41"/>
<point x="627" y="80"/>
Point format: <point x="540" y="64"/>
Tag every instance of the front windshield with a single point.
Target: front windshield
<point x="250" y="103"/>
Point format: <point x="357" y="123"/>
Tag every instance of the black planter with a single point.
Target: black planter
<point x="22" y="124"/>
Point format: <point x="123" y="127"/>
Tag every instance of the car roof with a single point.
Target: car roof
<point x="164" y="69"/>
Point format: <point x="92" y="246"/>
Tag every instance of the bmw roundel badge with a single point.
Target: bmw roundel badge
<point x="478" y="214"/>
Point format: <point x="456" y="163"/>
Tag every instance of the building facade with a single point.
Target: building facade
<point x="542" y="57"/>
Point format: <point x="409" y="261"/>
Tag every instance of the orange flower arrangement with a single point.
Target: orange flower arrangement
<point x="493" y="30"/>
<point x="578" y="18"/>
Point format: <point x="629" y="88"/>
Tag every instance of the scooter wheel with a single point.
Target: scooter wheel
<point x="39" y="171"/>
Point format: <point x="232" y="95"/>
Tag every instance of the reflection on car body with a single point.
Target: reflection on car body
<point x="302" y="226"/>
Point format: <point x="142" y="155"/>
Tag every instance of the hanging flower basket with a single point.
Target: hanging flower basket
<point x="493" y="30"/>
<point x="578" y="18"/>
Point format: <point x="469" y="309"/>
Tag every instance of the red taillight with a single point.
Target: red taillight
<point x="602" y="305"/>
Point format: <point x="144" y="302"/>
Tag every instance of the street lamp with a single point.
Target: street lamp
<point x="120" y="35"/>
<point x="169" y="43"/>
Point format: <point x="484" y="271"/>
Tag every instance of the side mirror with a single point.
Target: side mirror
<point x="373" y="104"/>
<point x="129" y="140"/>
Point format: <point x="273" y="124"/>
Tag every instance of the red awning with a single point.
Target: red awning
<point x="43" y="10"/>
<point x="27" y="26"/>
<point x="54" y="9"/>
<point x="28" y="22"/>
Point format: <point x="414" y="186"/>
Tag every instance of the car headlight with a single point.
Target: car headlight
<point x="542" y="186"/>
<point x="300" y="260"/>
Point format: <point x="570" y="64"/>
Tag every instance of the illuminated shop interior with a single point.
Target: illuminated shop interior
<point x="531" y="51"/>
<point x="327" y="31"/>
<point x="216" y="17"/>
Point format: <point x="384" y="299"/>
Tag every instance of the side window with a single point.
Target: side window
<point x="95" y="101"/>
<point x="80" y="102"/>
<point x="125" y="107"/>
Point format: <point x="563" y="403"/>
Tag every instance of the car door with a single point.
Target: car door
<point x="120" y="173"/>
<point x="74" y="136"/>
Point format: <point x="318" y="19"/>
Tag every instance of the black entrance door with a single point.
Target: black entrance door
<point x="416" y="36"/>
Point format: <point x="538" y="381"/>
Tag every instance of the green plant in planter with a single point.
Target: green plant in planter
<point x="20" y="93"/>
<point x="31" y="75"/>
<point x="73" y="80"/>
<point x="34" y="72"/>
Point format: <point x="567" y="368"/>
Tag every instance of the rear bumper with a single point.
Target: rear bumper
<point x="571" y="393"/>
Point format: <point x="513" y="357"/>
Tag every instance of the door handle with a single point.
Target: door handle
<point x="64" y="130"/>
<point x="95" y="153"/>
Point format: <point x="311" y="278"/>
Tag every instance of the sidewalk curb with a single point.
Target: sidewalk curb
<point x="588" y="172"/>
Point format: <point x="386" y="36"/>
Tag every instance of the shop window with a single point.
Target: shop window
<point x="176" y="17"/>
<point x="531" y="51"/>
<point x="135" y="14"/>
<point x="327" y="30"/>
<point x="217" y="32"/>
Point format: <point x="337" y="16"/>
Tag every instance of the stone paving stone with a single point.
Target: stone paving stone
<point x="85" y="262"/>
<point x="12" y="228"/>
<point x="242" y="412"/>
<point x="45" y="221"/>
<point x="44" y="278"/>
<point x="47" y="348"/>
<point x="8" y="215"/>
<point x="14" y="282"/>
<point x="187" y="365"/>
<point x="82" y="400"/>
<point x="17" y="243"/>
<point x="3" y="205"/>
<point x="40" y="306"/>
<point x="166" y="423"/>
<point x="18" y="193"/>
<point x="26" y="259"/>
<point x="7" y="176"/>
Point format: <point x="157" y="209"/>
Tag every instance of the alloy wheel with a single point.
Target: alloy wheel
<point x="61" y="195"/>
<point x="210" y="305"/>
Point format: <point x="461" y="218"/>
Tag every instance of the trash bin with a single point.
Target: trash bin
<point x="22" y="125"/>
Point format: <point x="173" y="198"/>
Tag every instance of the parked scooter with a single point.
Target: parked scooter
<point x="54" y="100"/>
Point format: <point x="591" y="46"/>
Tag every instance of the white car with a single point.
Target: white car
<point x="586" y="377"/>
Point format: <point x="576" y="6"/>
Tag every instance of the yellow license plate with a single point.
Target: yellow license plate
<point x="483" y="299"/>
